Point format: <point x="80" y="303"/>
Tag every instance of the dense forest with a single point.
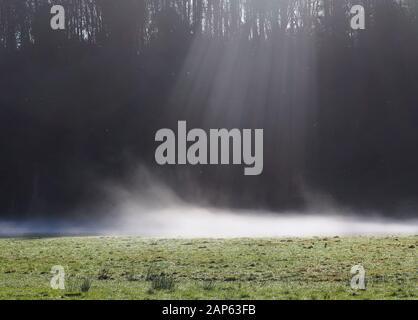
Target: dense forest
<point x="339" y="107"/>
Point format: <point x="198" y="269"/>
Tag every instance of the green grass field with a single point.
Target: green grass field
<point x="145" y="268"/>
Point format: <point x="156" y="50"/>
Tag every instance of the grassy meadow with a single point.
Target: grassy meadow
<point x="247" y="268"/>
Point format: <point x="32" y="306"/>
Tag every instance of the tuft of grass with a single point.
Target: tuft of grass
<point x="151" y="273"/>
<point x="208" y="285"/>
<point x="77" y="285"/>
<point x="104" y="274"/>
<point x="131" y="277"/>
<point x="163" y="282"/>
<point x="85" y="285"/>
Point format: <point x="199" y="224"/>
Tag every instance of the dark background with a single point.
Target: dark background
<point x="81" y="106"/>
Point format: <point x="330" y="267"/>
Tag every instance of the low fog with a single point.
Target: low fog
<point x="152" y="209"/>
<point x="206" y="222"/>
<point x="191" y="221"/>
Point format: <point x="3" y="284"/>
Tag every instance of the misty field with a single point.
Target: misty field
<point x="145" y="268"/>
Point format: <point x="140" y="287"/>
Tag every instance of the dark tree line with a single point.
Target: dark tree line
<point x="338" y="106"/>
